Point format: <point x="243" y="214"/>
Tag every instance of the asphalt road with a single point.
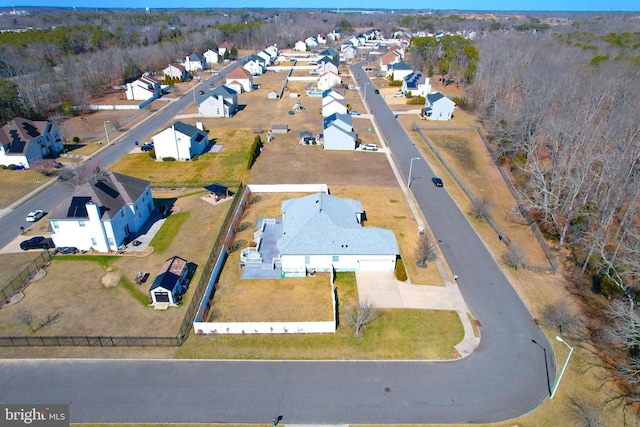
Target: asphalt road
<point x="507" y="376"/>
<point x="48" y="199"/>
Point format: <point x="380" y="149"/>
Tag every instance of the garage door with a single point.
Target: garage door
<point x="375" y="265"/>
<point x="162" y="296"/>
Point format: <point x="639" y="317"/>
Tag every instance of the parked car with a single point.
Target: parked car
<point x="370" y="147"/>
<point x="37" y="242"/>
<point x="354" y="112"/>
<point x="437" y="181"/>
<point x="201" y="92"/>
<point x="33" y="216"/>
<point x="397" y="95"/>
<point x="147" y="146"/>
<point x="377" y="92"/>
<point x="67" y="250"/>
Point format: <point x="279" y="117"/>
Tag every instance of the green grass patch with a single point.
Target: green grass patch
<point x="396" y="334"/>
<point x="141" y="297"/>
<point x="393" y="201"/>
<point x="399" y="216"/>
<point x="103" y="260"/>
<point x="163" y="238"/>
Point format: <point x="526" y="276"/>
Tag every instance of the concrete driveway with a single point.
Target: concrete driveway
<point x="383" y="290"/>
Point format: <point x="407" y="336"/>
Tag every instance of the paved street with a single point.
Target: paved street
<point x="505" y="377"/>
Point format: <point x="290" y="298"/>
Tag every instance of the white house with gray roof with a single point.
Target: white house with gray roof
<point x="321" y="232"/>
<point x="180" y="141"/>
<point x="102" y="212"/>
<point x="438" y="107"/>
<point x="24" y="142"/>
<point x="339" y="133"/>
<point x="219" y="102"/>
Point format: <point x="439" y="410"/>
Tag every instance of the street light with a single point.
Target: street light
<point x="555" y="386"/>
<point x="106" y="131"/>
<point x="410" y="168"/>
<point x="193" y="89"/>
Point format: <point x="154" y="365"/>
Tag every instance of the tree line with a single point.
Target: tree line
<point x="567" y="127"/>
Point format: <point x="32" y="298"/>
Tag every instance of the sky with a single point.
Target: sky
<point x="513" y="5"/>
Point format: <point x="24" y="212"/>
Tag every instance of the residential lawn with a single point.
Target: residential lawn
<point x="172" y="225"/>
<point x="229" y="164"/>
<point x="396" y="334"/>
<point x="96" y="294"/>
<point x="18" y="183"/>
<point x="15" y="263"/>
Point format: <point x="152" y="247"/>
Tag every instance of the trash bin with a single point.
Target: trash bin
<point x="136" y="143"/>
<point x="282" y="274"/>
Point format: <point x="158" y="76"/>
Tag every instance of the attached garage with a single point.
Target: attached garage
<point x="377" y="264"/>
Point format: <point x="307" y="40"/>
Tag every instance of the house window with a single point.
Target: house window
<point x="307" y="259"/>
<point x="94" y="241"/>
<point x="80" y="223"/>
<point x="55" y="225"/>
<point x="335" y="258"/>
<point x="122" y="214"/>
<point x="111" y="242"/>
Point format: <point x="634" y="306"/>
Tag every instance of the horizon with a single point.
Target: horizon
<point x="543" y="6"/>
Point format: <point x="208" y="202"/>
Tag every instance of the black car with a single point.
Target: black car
<point x="147" y="146"/>
<point x="37" y="242"/>
<point x="437" y="181"/>
<point x="377" y="92"/>
<point x="67" y="250"/>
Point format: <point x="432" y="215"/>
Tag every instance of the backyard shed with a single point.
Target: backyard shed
<point x="279" y="128"/>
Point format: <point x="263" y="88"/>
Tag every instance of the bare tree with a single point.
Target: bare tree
<point x="360" y="316"/>
<point x="514" y="257"/>
<point x="583" y="413"/>
<point x="480" y="206"/>
<point x="560" y="315"/>
<point x="426" y="250"/>
<point x="26" y="318"/>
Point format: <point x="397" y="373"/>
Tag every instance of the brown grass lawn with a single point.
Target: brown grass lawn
<point x="227" y="165"/>
<point x="13" y="264"/>
<point x="17" y="184"/>
<point x="404" y="334"/>
<point x="91" y="308"/>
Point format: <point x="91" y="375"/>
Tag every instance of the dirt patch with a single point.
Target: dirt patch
<point x="111" y="280"/>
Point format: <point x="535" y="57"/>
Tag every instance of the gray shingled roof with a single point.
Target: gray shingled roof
<point x="109" y="190"/>
<point x="320" y="224"/>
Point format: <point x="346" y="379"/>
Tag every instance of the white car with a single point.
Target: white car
<point x="33" y="216"/>
<point x="370" y="147"/>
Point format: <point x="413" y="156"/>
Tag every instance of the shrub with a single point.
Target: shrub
<point x="462" y="102"/>
<point x="76" y="139"/>
<point x="11" y="167"/>
<point x="395" y="83"/>
<point x="168" y="159"/>
<point x="256" y="148"/>
<point x="418" y="100"/>
<point x="401" y="271"/>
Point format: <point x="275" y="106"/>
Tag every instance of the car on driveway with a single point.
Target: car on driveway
<point x="37" y="242"/>
<point x="147" y="146"/>
<point x="437" y="181"/>
<point x="354" y="112"/>
<point x="370" y="147"/>
<point x="67" y="250"/>
<point x="33" y="216"/>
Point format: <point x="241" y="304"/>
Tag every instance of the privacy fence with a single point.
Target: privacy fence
<point x="235" y="188"/>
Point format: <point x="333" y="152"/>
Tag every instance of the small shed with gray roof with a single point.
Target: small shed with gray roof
<point x="323" y="233"/>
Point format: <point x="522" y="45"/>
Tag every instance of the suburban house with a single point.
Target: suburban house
<point x="211" y="57"/>
<point x="328" y="80"/>
<point x="224" y="47"/>
<point x="272" y="51"/>
<point x="300" y="46"/>
<point x="255" y="65"/>
<point x="219" y="102"/>
<point x="388" y="59"/>
<point x="438" y="107"/>
<point x="416" y="83"/>
<point x="176" y="71"/>
<point x="338" y="132"/>
<point x="322" y="39"/>
<point x="326" y="64"/>
<point x="180" y="141"/>
<point x="24" y="142"/>
<point x="311" y="42"/>
<point x="195" y="62"/>
<point x="102" y="213"/>
<point x="240" y="80"/>
<point x="399" y="70"/>
<point x="325" y="233"/>
<point x="348" y="51"/>
<point x="333" y="36"/>
<point x="335" y="93"/>
<point x="144" y="88"/>
<point x="331" y="53"/>
<point x="333" y="103"/>
<point x="169" y="286"/>
<point x="266" y="57"/>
